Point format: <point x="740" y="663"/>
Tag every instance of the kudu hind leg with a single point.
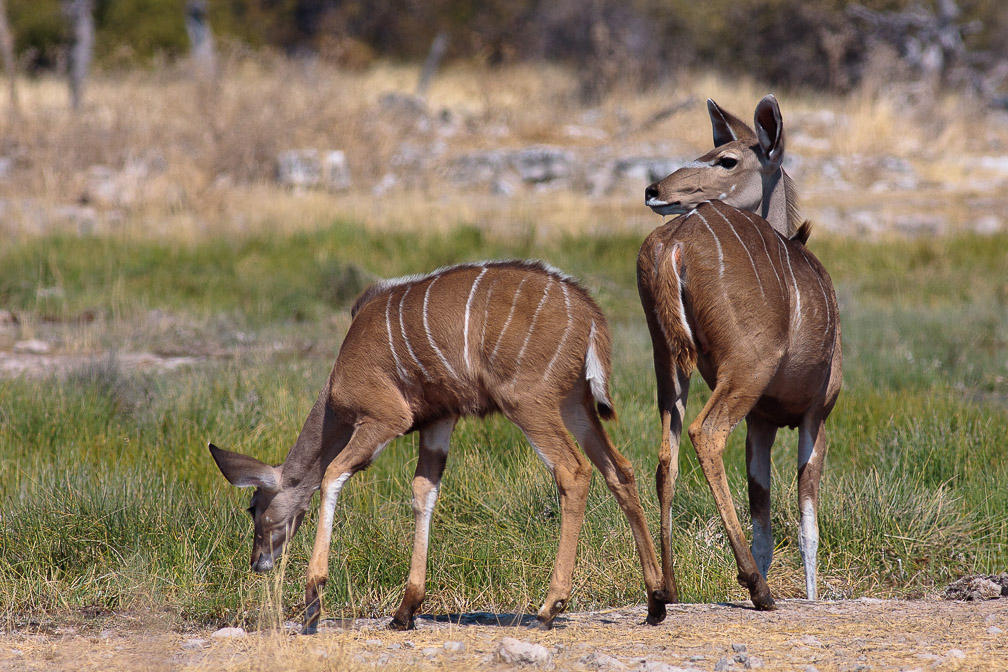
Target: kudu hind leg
<point x="811" y="457"/>
<point x="673" y="390"/>
<point x="368" y="439"/>
<point x="434" y="442"/>
<point x="709" y="433"/>
<point x="759" y="442"/>
<point x="572" y="474"/>
<point x="582" y="420"/>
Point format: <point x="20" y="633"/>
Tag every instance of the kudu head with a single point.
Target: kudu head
<point x="276" y="511"/>
<point x="743" y="170"/>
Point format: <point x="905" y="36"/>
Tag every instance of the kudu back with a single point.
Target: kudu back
<point x="743" y="300"/>
<point x="516" y="337"/>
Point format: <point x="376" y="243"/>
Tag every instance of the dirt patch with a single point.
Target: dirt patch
<point x="864" y="634"/>
<point x="39" y="365"/>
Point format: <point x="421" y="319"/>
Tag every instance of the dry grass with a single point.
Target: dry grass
<point x="830" y="636"/>
<point x="185" y="162"/>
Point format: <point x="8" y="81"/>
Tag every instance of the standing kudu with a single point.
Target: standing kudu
<point x="515" y="337"/>
<point x="744" y="301"/>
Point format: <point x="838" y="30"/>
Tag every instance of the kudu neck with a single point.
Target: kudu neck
<point x="321" y="438"/>
<point x="779" y="206"/>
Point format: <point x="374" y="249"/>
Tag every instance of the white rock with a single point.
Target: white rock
<point x="516" y="652"/>
<point x="373" y="642"/>
<point x="32" y="347"/>
<point x="955" y="653"/>
<point x="454" y="647"/>
<point x="430" y="651"/>
<point x="228" y="633"/>
<point x="600" y="661"/>
<point x="194" y="644"/>
<point x="994" y="630"/>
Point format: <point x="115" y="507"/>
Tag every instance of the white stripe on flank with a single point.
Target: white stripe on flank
<point x="822" y="288"/>
<point x="465" y="330"/>
<point x="507" y="323"/>
<point x="752" y="218"/>
<point x="388" y="329"/>
<point x="755" y="270"/>
<point x="430" y="338"/>
<point x="402" y="329"/>
<point x="486" y="314"/>
<point x="795" y="281"/>
<point x="720" y="254"/>
<point x="535" y="318"/>
<point x="563" y="339"/>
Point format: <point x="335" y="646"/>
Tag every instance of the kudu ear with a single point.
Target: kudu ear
<point x="770" y="130"/>
<point x="727" y="127"/>
<point x="244" y="471"/>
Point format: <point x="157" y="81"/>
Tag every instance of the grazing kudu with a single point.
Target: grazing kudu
<point x="744" y="301"/>
<point x="516" y="337"/>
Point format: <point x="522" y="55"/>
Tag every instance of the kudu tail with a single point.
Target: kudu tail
<point x="598" y="369"/>
<point x="670" y="268"/>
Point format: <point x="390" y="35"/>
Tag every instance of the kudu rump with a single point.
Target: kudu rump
<point x="744" y="301"/>
<point x="520" y="338"/>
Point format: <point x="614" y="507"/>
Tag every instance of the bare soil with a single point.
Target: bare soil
<point x="864" y="634"/>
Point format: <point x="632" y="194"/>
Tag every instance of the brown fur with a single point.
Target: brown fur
<point x="516" y="337"/>
<point x="766" y="338"/>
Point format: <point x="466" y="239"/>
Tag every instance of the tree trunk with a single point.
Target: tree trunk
<point x="81" y="16"/>
<point x="7" y="52"/>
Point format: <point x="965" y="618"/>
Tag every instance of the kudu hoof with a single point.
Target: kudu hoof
<point x="397" y="624"/>
<point x="656" y="614"/>
<point x="541" y="624"/>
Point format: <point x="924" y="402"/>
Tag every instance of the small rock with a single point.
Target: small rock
<point x="430" y="651"/>
<point x="299" y="168"/>
<point x="516" y="652"/>
<point x="395" y="646"/>
<point x="17" y="652"/>
<point x="454" y="647"/>
<point x="194" y="644"/>
<point x="810" y="668"/>
<point x="958" y="654"/>
<point x="754" y="663"/>
<point x="228" y="633"/>
<point x="600" y="661"/>
<point x="741" y="658"/>
<point x="335" y="170"/>
<point x="656" y="666"/>
<point x="32" y="347"/>
<point x="994" y="630"/>
<point x="738" y="648"/>
<point x="409" y="644"/>
<point x="722" y="665"/>
<point x="373" y="642"/>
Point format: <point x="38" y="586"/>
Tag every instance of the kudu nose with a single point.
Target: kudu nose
<point x="651" y="192"/>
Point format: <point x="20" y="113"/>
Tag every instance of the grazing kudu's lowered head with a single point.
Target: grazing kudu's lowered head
<point x="743" y="300"/>
<point x="743" y="170"/>
<point x="514" y="337"/>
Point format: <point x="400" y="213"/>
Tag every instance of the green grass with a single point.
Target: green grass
<point x="110" y="501"/>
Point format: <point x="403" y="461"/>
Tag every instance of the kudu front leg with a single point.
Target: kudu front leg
<point x="709" y="433"/>
<point x="434" y="442"/>
<point x="673" y="389"/>
<point x="368" y="439"/>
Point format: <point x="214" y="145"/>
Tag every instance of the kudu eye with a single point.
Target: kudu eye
<point x="727" y="162"/>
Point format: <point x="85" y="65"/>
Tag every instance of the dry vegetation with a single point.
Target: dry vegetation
<point x="160" y="183"/>
<point x="155" y="153"/>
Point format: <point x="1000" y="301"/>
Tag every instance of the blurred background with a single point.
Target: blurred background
<point x="193" y="193"/>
